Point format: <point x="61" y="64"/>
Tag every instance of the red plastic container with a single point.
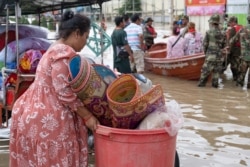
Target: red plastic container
<point x="133" y="148"/>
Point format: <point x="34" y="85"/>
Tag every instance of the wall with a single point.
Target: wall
<point x="158" y="10"/>
<point x="239" y="8"/>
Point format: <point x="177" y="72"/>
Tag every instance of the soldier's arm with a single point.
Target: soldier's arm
<point x="246" y="36"/>
<point x="205" y="42"/>
<point x="233" y="37"/>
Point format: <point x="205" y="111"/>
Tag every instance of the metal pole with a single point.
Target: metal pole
<point x="17" y="32"/>
<point x="171" y="12"/>
<point x="111" y="11"/>
<point x="101" y="32"/>
<point x="5" y="57"/>
<point x="163" y="12"/>
<point x="152" y="8"/>
<point x="125" y="6"/>
<point x="6" y="33"/>
<point x="248" y="7"/>
<point x="133" y="7"/>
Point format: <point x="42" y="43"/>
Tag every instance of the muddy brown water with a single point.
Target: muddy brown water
<point x="216" y="130"/>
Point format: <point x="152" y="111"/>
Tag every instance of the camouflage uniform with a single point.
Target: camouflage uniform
<point x="235" y="49"/>
<point x="245" y="53"/>
<point x="213" y="43"/>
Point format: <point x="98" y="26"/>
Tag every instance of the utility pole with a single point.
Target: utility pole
<point x="133" y="6"/>
<point x="171" y="11"/>
<point x="163" y="12"/>
<point x="125" y="7"/>
<point x="152" y="7"/>
<point x="248" y="11"/>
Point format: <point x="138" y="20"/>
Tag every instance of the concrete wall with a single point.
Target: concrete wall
<point x="159" y="10"/>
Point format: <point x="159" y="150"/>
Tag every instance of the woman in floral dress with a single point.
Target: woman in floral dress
<point x="49" y="123"/>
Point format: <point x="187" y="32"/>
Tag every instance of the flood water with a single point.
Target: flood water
<point x="216" y="129"/>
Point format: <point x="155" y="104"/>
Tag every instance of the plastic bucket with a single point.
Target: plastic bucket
<point x="133" y="148"/>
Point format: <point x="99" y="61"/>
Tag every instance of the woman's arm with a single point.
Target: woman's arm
<point x="90" y="120"/>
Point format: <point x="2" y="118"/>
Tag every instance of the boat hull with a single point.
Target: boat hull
<point x="187" y="67"/>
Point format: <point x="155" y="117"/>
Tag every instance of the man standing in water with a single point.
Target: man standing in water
<point x="234" y="46"/>
<point x="135" y="40"/>
<point x="122" y="51"/>
<point x="213" y="44"/>
<point x="245" y="53"/>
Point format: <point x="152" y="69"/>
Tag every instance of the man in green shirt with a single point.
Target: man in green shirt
<point x="122" y="53"/>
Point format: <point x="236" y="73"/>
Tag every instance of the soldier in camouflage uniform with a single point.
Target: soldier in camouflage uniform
<point x="245" y="53"/>
<point x="213" y="43"/>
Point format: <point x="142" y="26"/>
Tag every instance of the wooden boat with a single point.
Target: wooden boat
<point x="187" y="67"/>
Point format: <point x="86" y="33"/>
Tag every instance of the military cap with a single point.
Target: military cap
<point x="215" y="19"/>
<point x="232" y="19"/>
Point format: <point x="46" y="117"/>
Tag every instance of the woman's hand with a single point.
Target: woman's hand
<point x="91" y="122"/>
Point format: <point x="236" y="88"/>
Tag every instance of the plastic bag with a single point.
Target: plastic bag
<point x="156" y="119"/>
<point x="176" y="118"/>
<point x="168" y="117"/>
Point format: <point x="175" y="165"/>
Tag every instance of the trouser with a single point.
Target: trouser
<point x="244" y="65"/>
<point x="234" y="60"/>
<point x="210" y="67"/>
<point x="138" y="61"/>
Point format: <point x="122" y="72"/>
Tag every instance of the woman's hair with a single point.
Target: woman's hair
<point x="71" y="22"/>
<point x="176" y="30"/>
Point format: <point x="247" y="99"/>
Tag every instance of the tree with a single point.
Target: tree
<point x="23" y="20"/>
<point x="44" y="22"/>
<point x="133" y="6"/>
<point x="52" y="25"/>
<point x="35" y="22"/>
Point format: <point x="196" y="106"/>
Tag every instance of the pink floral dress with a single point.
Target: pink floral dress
<point x="45" y="130"/>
